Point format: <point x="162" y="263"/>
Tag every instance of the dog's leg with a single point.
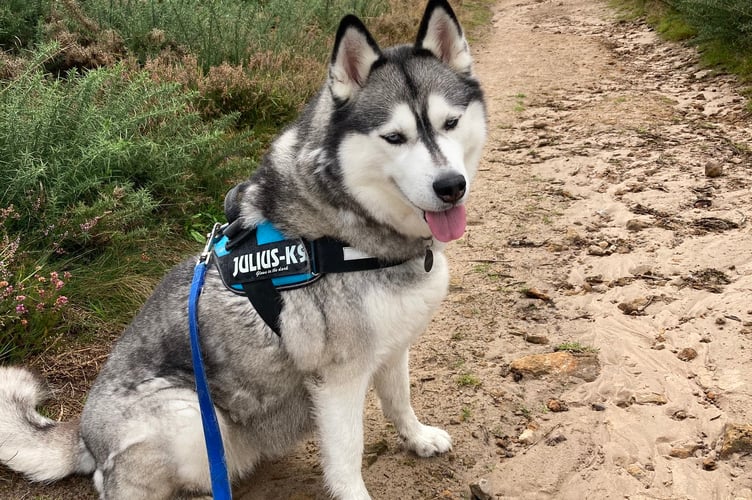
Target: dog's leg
<point x="338" y="400"/>
<point x="141" y="472"/>
<point x="392" y="383"/>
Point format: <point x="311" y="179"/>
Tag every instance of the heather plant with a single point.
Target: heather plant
<point x="31" y="300"/>
<point x="263" y="92"/>
<point x="227" y="31"/>
<point x="102" y="170"/>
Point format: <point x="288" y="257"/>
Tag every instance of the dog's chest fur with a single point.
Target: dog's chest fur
<point x="360" y="322"/>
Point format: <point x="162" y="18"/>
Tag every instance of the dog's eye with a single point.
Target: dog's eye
<point x="394" y="138"/>
<point x="451" y="123"/>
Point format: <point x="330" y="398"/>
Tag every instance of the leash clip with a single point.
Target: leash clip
<point x="210" y="240"/>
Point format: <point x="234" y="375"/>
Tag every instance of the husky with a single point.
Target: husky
<point x="382" y="158"/>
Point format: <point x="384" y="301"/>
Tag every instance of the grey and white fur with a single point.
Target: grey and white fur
<point x="381" y="158"/>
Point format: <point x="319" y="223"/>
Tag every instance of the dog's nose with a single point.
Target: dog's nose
<point x="450" y="189"/>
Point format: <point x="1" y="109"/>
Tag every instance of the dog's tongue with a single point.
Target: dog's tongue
<point x="448" y="225"/>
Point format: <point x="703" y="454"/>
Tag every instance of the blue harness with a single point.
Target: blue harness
<point x="259" y="263"/>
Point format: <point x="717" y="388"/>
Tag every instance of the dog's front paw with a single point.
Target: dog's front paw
<point x="428" y="441"/>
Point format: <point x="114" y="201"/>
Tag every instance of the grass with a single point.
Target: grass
<point x="465" y="414"/>
<point x="721" y="29"/>
<point x="468" y="380"/>
<point x="519" y="104"/>
<point x="575" y="347"/>
<point x="524" y="411"/>
<point x="475" y="16"/>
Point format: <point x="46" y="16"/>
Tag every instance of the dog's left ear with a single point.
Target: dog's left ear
<point x="354" y="53"/>
<point x="441" y="34"/>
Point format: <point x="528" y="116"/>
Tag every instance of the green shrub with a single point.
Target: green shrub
<point x="728" y="21"/>
<point x="20" y="22"/>
<point x="106" y="140"/>
<point x="99" y="173"/>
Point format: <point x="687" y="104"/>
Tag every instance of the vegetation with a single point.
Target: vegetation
<point x="722" y="29"/>
<point x="122" y="125"/>
<point x="468" y="380"/>
<point x="575" y="347"/>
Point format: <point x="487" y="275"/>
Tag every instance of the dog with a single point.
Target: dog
<point x="382" y="159"/>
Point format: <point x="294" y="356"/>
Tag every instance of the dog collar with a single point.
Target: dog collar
<point x="259" y="262"/>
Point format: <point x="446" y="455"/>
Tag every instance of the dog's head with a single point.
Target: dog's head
<point x="409" y="124"/>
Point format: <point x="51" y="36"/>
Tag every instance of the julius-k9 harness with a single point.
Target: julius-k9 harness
<point x="260" y="262"/>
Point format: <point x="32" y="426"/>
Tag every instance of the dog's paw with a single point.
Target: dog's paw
<point x="428" y="441"/>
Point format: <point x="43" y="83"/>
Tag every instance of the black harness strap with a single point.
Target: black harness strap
<point x="332" y="256"/>
<point x="267" y="301"/>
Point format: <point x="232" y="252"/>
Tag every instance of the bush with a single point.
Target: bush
<point x="97" y="171"/>
<point x="20" y="22"/>
<point x="263" y="92"/>
<point x="727" y="21"/>
<point x="106" y="143"/>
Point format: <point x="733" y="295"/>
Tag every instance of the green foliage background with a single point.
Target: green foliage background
<point x="722" y="29"/>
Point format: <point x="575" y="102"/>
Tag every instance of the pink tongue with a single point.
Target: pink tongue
<point x="449" y="225"/>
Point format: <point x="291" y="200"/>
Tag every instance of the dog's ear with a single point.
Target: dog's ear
<point x="354" y="53"/>
<point x="441" y="34"/>
<point x="233" y="199"/>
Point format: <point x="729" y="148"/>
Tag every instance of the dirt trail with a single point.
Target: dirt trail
<point x="594" y="191"/>
<point x="592" y="202"/>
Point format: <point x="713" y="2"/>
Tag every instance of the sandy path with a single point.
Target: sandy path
<point x="596" y="126"/>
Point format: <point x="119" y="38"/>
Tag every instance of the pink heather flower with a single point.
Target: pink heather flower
<point x="61" y="301"/>
<point x="59" y="284"/>
<point x="53" y="275"/>
<point x="67" y="275"/>
<point x="21" y="309"/>
<point x="41" y="292"/>
<point x="20" y="298"/>
<point x="89" y="224"/>
<point x="40" y="306"/>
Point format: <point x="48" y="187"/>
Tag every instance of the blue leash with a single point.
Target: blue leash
<point x="220" y="477"/>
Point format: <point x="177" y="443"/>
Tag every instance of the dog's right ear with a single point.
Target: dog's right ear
<point x="354" y="53"/>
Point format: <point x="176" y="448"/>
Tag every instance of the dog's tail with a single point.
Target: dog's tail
<point x="40" y="448"/>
